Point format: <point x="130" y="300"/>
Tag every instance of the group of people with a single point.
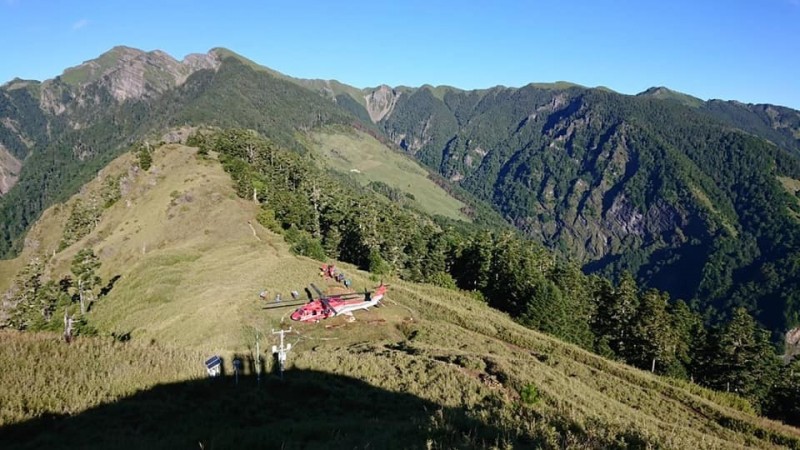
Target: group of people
<point x="330" y="271"/>
<point x="263" y="295"/>
<point x="327" y="271"/>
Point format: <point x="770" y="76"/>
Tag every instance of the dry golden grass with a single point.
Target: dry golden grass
<point x="43" y="375"/>
<point x="192" y="260"/>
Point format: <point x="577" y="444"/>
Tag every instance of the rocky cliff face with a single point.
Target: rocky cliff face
<point x="381" y="102"/>
<point x="616" y="182"/>
<point x="32" y="112"/>
<point x="577" y="200"/>
<point x="9" y="170"/>
<point x="792" y="342"/>
<point x="119" y="75"/>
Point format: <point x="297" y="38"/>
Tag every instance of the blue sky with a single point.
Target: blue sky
<point x="747" y="50"/>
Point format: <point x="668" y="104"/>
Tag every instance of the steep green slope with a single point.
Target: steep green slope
<point x="777" y="124"/>
<point x="239" y="95"/>
<point x="465" y="374"/>
<point x="92" y="126"/>
<point x="372" y="163"/>
<point x="643" y="184"/>
<point x="24" y="125"/>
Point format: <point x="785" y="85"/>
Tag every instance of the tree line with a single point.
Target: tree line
<point x="717" y="227"/>
<point x="42" y="304"/>
<point x="324" y="215"/>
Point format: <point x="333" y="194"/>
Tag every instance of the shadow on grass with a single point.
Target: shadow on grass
<point x="308" y="409"/>
<point x="105" y="290"/>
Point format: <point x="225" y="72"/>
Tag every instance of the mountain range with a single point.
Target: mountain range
<point x="696" y="198"/>
<point x="152" y="200"/>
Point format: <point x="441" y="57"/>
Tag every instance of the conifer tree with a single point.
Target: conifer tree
<point x="785" y="398"/>
<point x="743" y="360"/>
<point x="512" y="285"/>
<point x="144" y="156"/>
<point x="690" y="337"/>
<point x="578" y="305"/>
<point x="476" y="262"/>
<point x="26" y="294"/>
<point x="601" y="326"/>
<point x="652" y="338"/>
<point x="84" y="267"/>
<point x="615" y="315"/>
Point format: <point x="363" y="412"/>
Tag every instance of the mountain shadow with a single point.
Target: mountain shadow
<point x="308" y="409"/>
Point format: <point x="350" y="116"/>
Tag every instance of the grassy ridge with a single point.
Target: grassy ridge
<point x="191" y="260"/>
<point x="361" y="155"/>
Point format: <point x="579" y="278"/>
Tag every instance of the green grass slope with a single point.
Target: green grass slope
<point x="326" y="88"/>
<point x="431" y="368"/>
<point x="364" y="157"/>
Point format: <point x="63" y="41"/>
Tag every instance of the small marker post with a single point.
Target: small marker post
<point x="258" y="360"/>
<point x="237" y="366"/>
<point x="281" y="350"/>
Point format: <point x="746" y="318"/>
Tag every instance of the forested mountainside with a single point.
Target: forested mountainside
<point x="175" y="263"/>
<point x="694" y="198"/>
<point x="777" y="124"/>
<point x="63" y="130"/>
<point x="160" y="231"/>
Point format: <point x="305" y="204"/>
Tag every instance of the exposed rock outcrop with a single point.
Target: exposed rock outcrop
<point x="381" y="102"/>
<point x="9" y="170"/>
<point x="125" y="73"/>
<point x="792" y="344"/>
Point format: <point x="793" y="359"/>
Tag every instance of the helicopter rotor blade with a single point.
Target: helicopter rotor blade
<point x="319" y="292"/>
<point x="280" y="305"/>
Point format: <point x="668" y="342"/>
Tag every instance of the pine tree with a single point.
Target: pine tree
<point x="652" y="337"/>
<point x="144" y="156"/>
<point x="743" y="360"/>
<point x="615" y="315"/>
<point x="476" y="262"/>
<point x="784" y="401"/>
<point x="512" y="282"/>
<point x="546" y="309"/>
<point x="578" y="304"/>
<point x="83" y="217"/>
<point x="436" y="257"/>
<point x="26" y="295"/>
<point x="377" y="264"/>
<point x="84" y="267"/>
<point x="416" y="250"/>
<point x="602" y="327"/>
<point x="331" y="240"/>
<point x="690" y="338"/>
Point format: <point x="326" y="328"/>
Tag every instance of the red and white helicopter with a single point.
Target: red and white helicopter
<point x="335" y="305"/>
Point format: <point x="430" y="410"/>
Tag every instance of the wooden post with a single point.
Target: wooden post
<point x="258" y="359"/>
<point x="315" y="201"/>
<point x="251" y="153"/>
<point x="80" y="295"/>
<point x="67" y="327"/>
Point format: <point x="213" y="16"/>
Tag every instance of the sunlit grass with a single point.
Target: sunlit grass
<point x="365" y="158"/>
<point x="49" y="376"/>
<point x="192" y="260"/>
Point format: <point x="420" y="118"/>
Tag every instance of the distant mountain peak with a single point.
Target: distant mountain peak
<point x="380" y="102"/>
<point x="132" y="73"/>
<point x="665" y="93"/>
